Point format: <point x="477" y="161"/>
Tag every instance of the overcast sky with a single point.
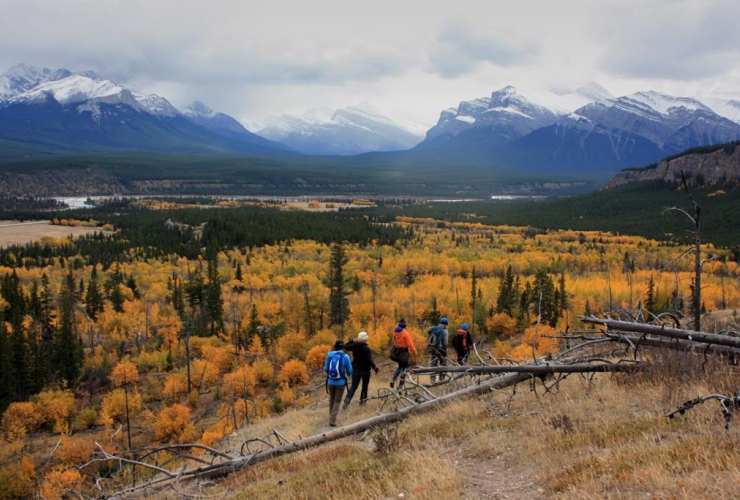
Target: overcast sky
<point x="253" y="59"/>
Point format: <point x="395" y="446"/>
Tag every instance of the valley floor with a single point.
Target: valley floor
<point x="20" y="233"/>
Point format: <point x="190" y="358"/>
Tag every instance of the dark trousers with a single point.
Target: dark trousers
<point x="402" y="365"/>
<point x="462" y="357"/>
<point x="439" y="358"/>
<point x="356" y="377"/>
<point x="335" y="401"/>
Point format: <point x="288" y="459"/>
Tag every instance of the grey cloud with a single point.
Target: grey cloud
<point x="458" y="50"/>
<point x="684" y="41"/>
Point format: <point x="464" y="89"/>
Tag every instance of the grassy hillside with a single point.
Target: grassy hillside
<point x="590" y="439"/>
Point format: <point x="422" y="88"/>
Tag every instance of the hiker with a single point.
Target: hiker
<point x="403" y="349"/>
<point x="463" y="343"/>
<point x="337" y="367"/>
<point x="362" y="363"/>
<point x="437" y="338"/>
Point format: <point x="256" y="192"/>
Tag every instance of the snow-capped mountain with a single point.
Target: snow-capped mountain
<point x="588" y="130"/>
<point x="507" y="114"/>
<point x="24" y="77"/>
<point x="57" y="110"/>
<point x="217" y="122"/>
<point x="724" y="102"/>
<point x="345" y="131"/>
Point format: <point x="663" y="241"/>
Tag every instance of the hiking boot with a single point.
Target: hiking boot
<point x="393" y="384"/>
<point x="345" y="405"/>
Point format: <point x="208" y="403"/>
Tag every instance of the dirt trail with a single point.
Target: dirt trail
<point x="496" y="476"/>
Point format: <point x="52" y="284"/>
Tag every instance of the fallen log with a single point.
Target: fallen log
<point x="513" y="375"/>
<point x="538" y="370"/>
<point x="677" y="345"/>
<point x="662" y="331"/>
<point x="227" y="467"/>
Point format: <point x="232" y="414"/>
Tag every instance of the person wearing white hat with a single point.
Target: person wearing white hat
<point x="362" y="363"/>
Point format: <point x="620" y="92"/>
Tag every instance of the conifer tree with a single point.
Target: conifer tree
<point x="338" y="301"/>
<point x="68" y="349"/>
<point x="94" y="297"/>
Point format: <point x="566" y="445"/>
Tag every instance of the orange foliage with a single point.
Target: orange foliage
<point x="502" y="324"/>
<point x="125" y="373"/>
<point x="20" y="419"/>
<point x="114" y="406"/>
<point x="317" y="356"/>
<point x="294" y="372"/>
<point x="18" y="483"/>
<point x="291" y="346"/>
<point x="173" y="424"/>
<point x="75" y="451"/>
<point x="241" y="381"/>
<point x="58" y="482"/>
<point x="56" y="408"/>
<point x="256" y="349"/>
<point x="263" y="371"/>
<point x="285" y="394"/>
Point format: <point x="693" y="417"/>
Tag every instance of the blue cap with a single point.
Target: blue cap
<point x="444" y="321"/>
<point x="464" y="326"/>
<point x="398" y="329"/>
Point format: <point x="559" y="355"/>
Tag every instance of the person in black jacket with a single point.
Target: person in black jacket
<point x="463" y="343"/>
<point x="362" y="363"/>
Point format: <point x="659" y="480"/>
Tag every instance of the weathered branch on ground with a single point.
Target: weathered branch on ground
<point x="637" y="341"/>
<point x="535" y="369"/>
<point x="728" y="403"/>
<point x="662" y="331"/>
<point x="226" y="467"/>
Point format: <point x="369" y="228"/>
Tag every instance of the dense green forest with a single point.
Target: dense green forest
<point x="636" y="209"/>
<point x="143" y="233"/>
<point x="231" y="174"/>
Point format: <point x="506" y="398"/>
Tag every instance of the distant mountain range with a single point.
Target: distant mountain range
<point x="345" y="131"/>
<point x="46" y="111"/>
<point x="587" y="131"/>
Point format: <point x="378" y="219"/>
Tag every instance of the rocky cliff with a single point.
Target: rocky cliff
<point x="718" y="166"/>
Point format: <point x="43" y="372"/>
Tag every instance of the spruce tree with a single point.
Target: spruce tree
<point x="214" y="301"/>
<point x="68" y="349"/>
<point x="338" y="301"/>
<point x="94" y="297"/>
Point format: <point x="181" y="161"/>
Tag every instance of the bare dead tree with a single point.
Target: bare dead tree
<point x="696" y="285"/>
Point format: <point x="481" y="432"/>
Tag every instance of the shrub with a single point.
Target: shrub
<point x="56" y="408"/>
<point x="86" y="419"/>
<point x="173" y="424"/>
<point x="294" y="372"/>
<point x="317" y="356"/>
<point x="57" y="482"/>
<point x="20" y="419"/>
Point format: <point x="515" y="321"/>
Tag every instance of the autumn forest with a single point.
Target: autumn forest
<point x="181" y="324"/>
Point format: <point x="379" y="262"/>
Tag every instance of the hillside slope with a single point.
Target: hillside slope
<point x="712" y="165"/>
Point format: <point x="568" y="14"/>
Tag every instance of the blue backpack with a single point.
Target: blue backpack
<point x="335" y="366"/>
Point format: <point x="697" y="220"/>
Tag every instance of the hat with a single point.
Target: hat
<point x="362" y="336"/>
<point x="402" y="323"/>
<point x="444" y="320"/>
<point x="398" y="329"/>
<point x="464" y="326"/>
<point x="338" y="345"/>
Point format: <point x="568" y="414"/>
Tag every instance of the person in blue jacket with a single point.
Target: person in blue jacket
<point x="337" y="367"/>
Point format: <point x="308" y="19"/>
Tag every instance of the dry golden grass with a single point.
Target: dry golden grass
<point x="605" y="438"/>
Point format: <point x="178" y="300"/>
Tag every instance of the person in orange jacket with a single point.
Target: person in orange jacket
<point x="403" y="349"/>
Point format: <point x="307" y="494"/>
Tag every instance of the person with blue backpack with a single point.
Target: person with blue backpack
<point x="337" y="367"/>
<point x="437" y="338"/>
